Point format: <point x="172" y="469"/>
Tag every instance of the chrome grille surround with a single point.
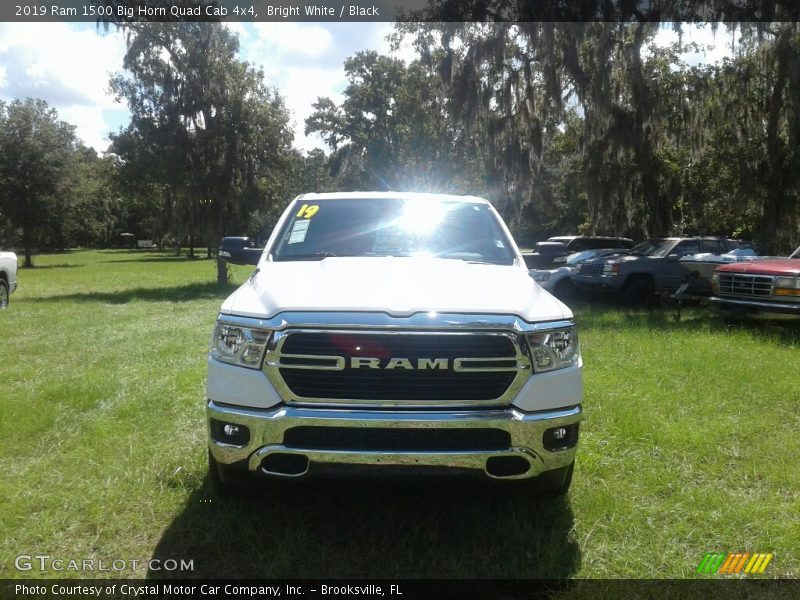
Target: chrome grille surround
<point x="745" y="285"/>
<point x="283" y="324"/>
<point x="592" y="270"/>
<point x="274" y="361"/>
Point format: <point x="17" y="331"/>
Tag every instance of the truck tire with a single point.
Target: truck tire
<point x="639" y="292"/>
<point x="4" y="294"/>
<point x="558" y="482"/>
<point x="565" y="290"/>
<point x="552" y="483"/>
<point x="223" y="481"/>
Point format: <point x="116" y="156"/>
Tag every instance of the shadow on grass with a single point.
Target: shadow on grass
<point x="180" y="293"/>
<point x="365" y="528"/>
<point x="37" y="267"/>
<point x="606" y="314"/>
<point x="154" y="259"/>
<point x="135" y="251"/>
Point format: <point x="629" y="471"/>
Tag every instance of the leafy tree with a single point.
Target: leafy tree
<point x="391" y="132"/>
<point x="208" y="133"/>
<point x="661" y="147"/>
<point x="96" y="212"/>
<point x="35" y="152"/>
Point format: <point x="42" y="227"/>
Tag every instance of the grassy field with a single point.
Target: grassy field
<point x="689" y="445"/>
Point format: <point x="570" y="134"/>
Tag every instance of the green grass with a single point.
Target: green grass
<point x="689" y="445"/>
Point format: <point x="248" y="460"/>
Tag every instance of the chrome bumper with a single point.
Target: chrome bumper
<point x="756" y="306"/>
<point x="267" y="428"/>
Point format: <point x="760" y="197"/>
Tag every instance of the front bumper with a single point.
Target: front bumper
<point x="268" y="452"/>
<point x="756" y="308"/>
<point x="606" y="284"/>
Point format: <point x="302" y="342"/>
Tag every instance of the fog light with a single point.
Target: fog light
<point x="560" y="438"/>
<point x="229" y="433"/>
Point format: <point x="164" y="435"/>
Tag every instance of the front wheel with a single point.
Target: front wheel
<point x="4" y="294"/>
<point x="224" y="479"/>
<point x="639" y="293"/>
<point x="553" y="483"/>
<point x="565" y="290"/>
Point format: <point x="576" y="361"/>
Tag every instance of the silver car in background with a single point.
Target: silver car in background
<point x="558" y="281"/>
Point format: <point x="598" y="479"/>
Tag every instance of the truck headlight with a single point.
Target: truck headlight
<point x="239" y="345"/>
<point x="715" y="283"/>
<point x="787" y="286"/>
<point x="554" y="349"/>
<point x="540" y="276"/>
<point x="610" y="269"/>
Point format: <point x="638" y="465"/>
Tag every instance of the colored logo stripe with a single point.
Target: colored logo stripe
<point x="758" y="563"/>
<point x="710" y="563"/>
<point x="734" y="563"/>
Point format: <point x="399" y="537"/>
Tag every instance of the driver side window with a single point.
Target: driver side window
<point x="685" y="248"/>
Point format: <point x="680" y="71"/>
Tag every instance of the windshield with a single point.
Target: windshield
<point x="393" y="227"/>
<point x="655" y="247"/>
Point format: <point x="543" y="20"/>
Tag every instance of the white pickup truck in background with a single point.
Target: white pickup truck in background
<point x="388" y="332"/>
<point x="8" y="277"/>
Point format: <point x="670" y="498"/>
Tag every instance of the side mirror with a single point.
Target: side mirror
<point x="674" y="257"/>
<point x="239" y="251"/>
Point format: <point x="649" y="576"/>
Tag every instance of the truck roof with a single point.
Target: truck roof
<point x="397" y="195"/>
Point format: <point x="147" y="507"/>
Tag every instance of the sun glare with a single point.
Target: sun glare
<point x="421" y="216"/>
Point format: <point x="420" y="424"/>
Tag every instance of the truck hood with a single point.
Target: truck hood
<point x="393" y="285"/>
<point x="774" y="266"/>
<point x="614" y="258"/>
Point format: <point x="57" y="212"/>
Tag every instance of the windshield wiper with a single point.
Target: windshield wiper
<point x="312" y="256"/>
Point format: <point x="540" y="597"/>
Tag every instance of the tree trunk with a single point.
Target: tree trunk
<point x="219" y="233"/>
<point x="28" y="245"/>
<point x="659" y="217"/>
<point x="771" y="228"/>
<point x="222" y="271"/>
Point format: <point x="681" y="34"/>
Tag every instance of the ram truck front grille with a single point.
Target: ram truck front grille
<point x="419" y="368"/>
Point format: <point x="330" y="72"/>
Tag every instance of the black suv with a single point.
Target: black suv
<point x="554" y="250"/>
<point x="647" y="268"/>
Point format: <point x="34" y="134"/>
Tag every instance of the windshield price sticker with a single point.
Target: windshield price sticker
<point x="299" y="231"/>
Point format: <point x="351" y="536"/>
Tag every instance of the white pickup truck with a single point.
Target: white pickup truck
<point x="385" y="332"/>
<point x="8" y="277"/>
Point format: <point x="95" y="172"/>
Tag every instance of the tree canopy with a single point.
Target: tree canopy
<point x="567" y="127"/>
<point x="206" y="134"/>
<point x="36" y="153"/>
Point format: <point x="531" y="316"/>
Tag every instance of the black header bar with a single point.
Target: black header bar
<point x="394" y="10"/>
<point x="398" y="589"/>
